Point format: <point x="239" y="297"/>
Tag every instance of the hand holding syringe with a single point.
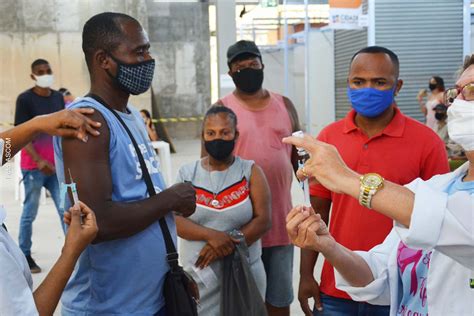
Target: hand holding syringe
<point x="302" y="157"/>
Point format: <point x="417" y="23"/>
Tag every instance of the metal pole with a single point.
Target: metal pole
<point x="226" y="36"/>
<point x="306" y="73"/>
<point x="285" y="52"/>
<point x="371" y="27"/>
<point x="467" y="28"/>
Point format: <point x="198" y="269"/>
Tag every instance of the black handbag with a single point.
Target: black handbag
<point x="180" y="290"/>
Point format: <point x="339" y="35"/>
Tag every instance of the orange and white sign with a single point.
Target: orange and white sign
<point x="344" y="14"/>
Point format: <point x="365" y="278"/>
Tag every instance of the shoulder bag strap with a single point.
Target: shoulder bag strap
<point x="172" y="255"/>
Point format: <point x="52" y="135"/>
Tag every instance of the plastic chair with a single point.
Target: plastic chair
<point x="165" y="159"/>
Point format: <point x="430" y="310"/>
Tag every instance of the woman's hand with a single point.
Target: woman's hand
<point x="69" y="123"/>
<point x="325" y="164"/>
<point x="207" y="256"/>
<point x="307" y="230"/>
<point x="221" y="242"/>
<point x="82" y="228"/>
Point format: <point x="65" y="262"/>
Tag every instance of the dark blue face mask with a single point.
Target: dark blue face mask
<point x="370" y="102"/>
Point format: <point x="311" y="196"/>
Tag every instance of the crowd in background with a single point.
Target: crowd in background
<point x="369" y="181"/>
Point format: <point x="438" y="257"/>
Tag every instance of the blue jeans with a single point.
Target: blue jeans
<point x="335" y="306"/>
<point x="34" y="181"/>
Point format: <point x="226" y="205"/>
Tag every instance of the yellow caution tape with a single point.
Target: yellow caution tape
<point x="178" y="119"/>
<point x="162" y="120"/>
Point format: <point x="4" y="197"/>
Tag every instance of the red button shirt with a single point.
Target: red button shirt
<point x="403" y="151"/>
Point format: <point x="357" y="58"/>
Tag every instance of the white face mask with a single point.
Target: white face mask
<point x="44" y="81"/>
<point x="461" y="123"/>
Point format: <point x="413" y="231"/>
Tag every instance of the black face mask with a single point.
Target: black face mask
<point x="220" y="149"/>
<point x="248" y="80"/>
<point x="440" y="116"/>
<point x="134" y="78"/>
<point x="432" y="86"/>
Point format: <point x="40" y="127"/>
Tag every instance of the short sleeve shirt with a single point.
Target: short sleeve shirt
<point x="403" y="151"/>
<point x="28" y="106"/>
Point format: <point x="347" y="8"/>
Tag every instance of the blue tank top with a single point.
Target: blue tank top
<point x="125" y="276"/>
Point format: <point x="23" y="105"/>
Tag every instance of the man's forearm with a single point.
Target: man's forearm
<point x="32" y="152"/>
<point x="121" y="220"/>
<point x="308" y="261"/>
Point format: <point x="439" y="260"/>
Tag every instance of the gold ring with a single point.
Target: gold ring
<point x="304" y="172"/>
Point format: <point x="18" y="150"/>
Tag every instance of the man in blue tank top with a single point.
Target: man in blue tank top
<point x="123" y="272"/>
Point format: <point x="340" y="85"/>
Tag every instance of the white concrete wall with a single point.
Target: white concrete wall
<point x="51" y="29"/>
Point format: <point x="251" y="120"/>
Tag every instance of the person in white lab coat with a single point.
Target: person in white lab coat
<point x="425" y="265"/>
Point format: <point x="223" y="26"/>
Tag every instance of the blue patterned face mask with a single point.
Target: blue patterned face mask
<point x="134" y="78"/>
<point x="370" y="102"/>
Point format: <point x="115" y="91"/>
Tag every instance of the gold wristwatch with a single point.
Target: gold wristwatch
<point x="370" y="183"/>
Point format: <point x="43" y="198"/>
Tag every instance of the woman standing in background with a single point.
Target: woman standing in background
<point x="436" y="86"/>
<point x="231" y="194"/>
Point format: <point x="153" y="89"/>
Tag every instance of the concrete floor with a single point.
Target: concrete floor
<point x="48" y="238"/>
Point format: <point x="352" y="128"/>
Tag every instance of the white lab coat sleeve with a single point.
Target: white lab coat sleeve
<point x="441" y="222"/>
<point x="376" y="292"/>
<point x="16" y="297"/>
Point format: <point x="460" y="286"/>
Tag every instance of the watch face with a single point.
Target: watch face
<point x="372" y="180"/>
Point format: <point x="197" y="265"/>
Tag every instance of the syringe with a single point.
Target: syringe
<point x="72" y="185"/>
<point x="75" y="197"/>
<point x="303" y="156"/>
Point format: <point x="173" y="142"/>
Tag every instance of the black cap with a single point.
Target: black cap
<point x="440" y="107"/>
<point x="242" y="47"/>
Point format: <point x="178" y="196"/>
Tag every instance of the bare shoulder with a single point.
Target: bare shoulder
<point x="256" y="172"/>
<point x="94" y="143"/>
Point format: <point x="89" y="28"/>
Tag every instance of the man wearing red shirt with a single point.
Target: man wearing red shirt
<point x="377" y="137"/>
